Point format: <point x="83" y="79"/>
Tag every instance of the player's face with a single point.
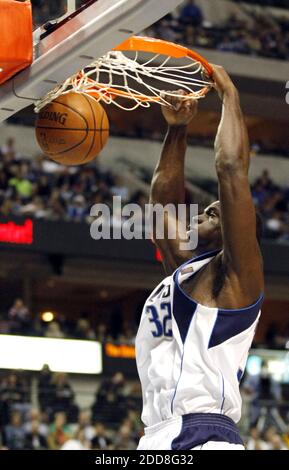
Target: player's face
<point x="209" y="226"/>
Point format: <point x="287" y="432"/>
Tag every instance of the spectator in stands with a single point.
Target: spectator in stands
<point x="63" y="397"/>
<point x="190" y="36"/>
<point x="56" y="206"/>
<point x="134" y="418"/>
<point x="3" y="182"/>
<point x="116" y="383"/>
<point x="84" y="423"/>
<point x="54" y="330"/>
<point x="191" y="14"/>
<point x="35" y="416"/>
<point x="45" y="389"/>
<point x="274" y="338"/>
<point x="273" y="439"/>
<point x="123" y="438"/>
<point x="44" y="188"/>
<point x="101" y="333"/>
<point x="77" y="209"/>
<point x="66" y="193"/>
<point x="286" y="437"/>
<point x="59" y="432"/>
<point x="259" y="194"/>
<point x="266" y="181"/>
<point x="256" y="35"/>
<point x="77" y="442"/>
<point x="14" y="395"/>
<point x="35" y="208"/>
<point x="133" y="398"/>
<point x="128" y="335"/>
<point x="255" y="442"/>
<point x="4" y="405"/>
<point x="14" y="433"/>
<point x="100" y="440"/>
<point x="110" y="399"/>
<point x="21" y="184"/>
<point x="277" y="227"/>
<point x="120" y="189"/>
<point x="253" y="42"/>
<point x="226" y="45"/>
<point x="83" y="330"/>
<point x="6" y="208"/>
<point x="139" y="198"/>
<point x="9" y="151"/>
<point x="19" y="318"/>
<point x="165" y="31"/>
<point x="265" y="394"/>
<point x="276" y="443"/>
<point x="34" y="439"/>
<point x="282" y="338"/>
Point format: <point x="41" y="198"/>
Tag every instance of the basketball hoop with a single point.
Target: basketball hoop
<point x="139" y="70"/>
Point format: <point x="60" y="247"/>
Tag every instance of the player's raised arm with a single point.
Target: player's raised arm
<point x="168" y="182"/>
<point x="241" y="248"/>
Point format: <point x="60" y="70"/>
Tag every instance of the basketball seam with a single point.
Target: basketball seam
<point x="67" y="150"/>
<point x="74" y="110"/>
<point x="94" y="122"/>
<point x="101" y="128"/>
<point x="70" y="129"/>
<point x="59" y="128"/>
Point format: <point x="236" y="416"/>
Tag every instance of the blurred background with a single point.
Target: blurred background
<point x="57" y="282"/>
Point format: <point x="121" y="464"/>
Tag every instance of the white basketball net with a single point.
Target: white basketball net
<point x="133" y="80"/>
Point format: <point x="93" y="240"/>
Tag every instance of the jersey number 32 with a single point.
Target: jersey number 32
<point x="161" y="318"/>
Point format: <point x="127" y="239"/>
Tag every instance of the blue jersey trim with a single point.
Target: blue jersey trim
<point x="222" y="310"/>
<point x="223" y="394"/>
<point x="209" y="254"/>
<point x="175" y="391"/>
<point x="239" y="374"/>
<point x="183" y="311"/>
<point x="231" y="322"/>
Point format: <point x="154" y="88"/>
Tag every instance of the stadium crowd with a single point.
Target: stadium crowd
<point x="20" y="320"/>
<point x="44" y="190"/>
<point x="261" y="35"/>
<point x="54" y="421"/>
<point x="57" y="422"/>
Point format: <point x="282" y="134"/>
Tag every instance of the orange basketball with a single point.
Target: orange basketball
<point x="72" y="129"/>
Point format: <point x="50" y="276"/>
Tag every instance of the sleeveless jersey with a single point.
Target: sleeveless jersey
<point x="190" y="357"/>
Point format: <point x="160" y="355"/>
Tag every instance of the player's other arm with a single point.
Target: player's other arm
<point x="241" y="252"/>
<point x="168" y="182"/>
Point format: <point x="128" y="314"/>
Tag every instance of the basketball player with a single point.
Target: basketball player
<point x="198" y="324"/>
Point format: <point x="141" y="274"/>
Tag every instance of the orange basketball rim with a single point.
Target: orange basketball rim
<point x="157" y="47"/>
<point x="157" y="65"/>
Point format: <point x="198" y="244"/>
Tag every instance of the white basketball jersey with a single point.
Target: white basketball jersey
<point x="190" y="358"/>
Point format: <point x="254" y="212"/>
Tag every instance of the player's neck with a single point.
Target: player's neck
<point x="206" y="247"/>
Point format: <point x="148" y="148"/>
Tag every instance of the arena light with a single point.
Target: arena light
<point x="61" y="355"/>
<point x="47" y="316"/>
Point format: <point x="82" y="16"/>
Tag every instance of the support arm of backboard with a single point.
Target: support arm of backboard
<point x="90" y="34"/>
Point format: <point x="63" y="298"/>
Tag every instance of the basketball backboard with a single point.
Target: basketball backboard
<point x="69" y="36"/>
